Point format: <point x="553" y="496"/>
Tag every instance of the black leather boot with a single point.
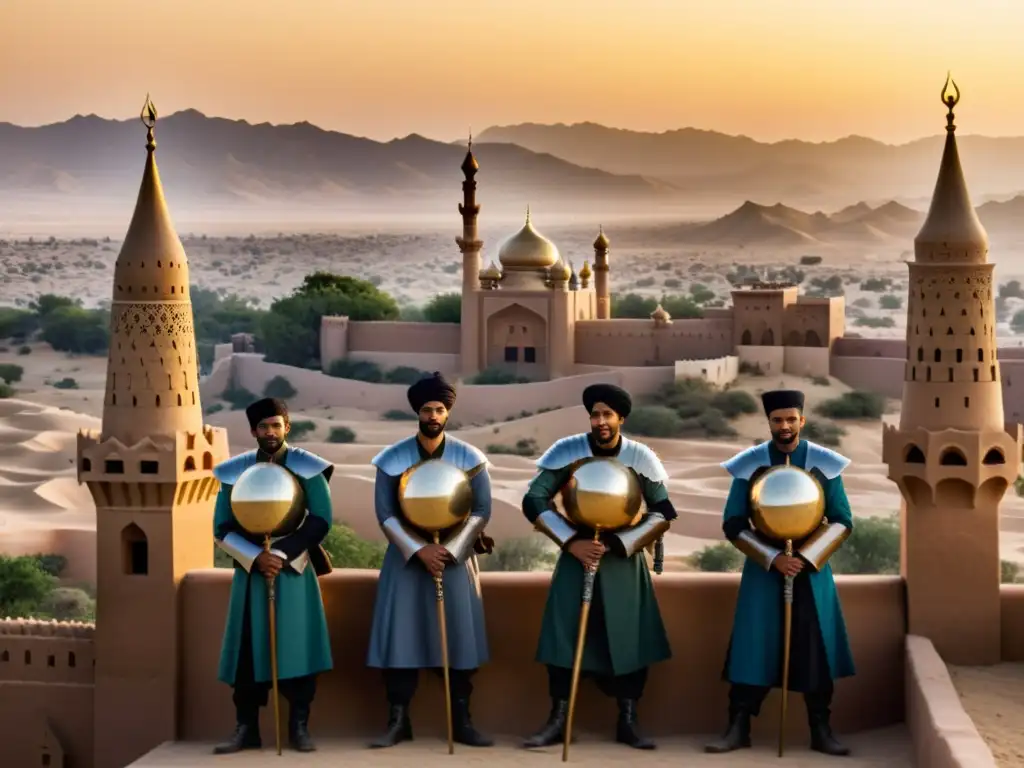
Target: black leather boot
<point x="463" y="730"/>
<point x="736" y="736"/>
<point x="626" y="728"/>
<point x="246" y="736"/>
<point x="298" y="730"/>
<point x="822" y="738"/>
<point x="553" y="731"/>
<point x="399" y="728"/>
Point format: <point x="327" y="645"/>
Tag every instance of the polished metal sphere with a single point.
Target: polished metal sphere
<point x="268" y="500"/>
<point x="787" y="503"/>
<point x="434" y="495"/>
<point x="602" y="493"/>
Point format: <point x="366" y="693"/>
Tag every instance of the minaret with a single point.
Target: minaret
<point x="604" y="303"/>
<point x="951" y="455"/>
<point x="149" y="472"/>
<point x="470" y="245"/>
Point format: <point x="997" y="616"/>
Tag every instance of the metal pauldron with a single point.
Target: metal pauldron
<point x="564" y="452"/>
<point x="397" y="458"/>
<point x="305" y="464"/>
<point x="823" y="543"/>
<point x="555" y="527"/>
<point x="229" y="471"/>
<point x="744" y="464"/>
<point x="830" y="463"/>
<point x="399" y="534"/>
<point x="648" y="530"/>
<point x="751" y="545"/>
<point x="642" y="460"/>
<point x="460" y="543"/>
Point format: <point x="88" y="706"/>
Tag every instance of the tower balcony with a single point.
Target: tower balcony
<point x="951" y="467"/>
<point x="149" y="472"/>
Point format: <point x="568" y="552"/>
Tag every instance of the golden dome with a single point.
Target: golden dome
<point x="660" y="316"/>
<point x="560" y="271"/>
<point x="585" y="273"/>
<point x="491" y="272"/>
<point x="602" y="242"/>
<point x="527" y="249"/>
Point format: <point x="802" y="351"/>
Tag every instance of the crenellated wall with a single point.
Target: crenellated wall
<point x="638" y="342"/>
<point x="46" y="691"/>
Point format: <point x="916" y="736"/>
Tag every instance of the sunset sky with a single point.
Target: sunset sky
<point x="770" y="69"/>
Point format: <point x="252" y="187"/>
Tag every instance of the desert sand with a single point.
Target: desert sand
<point x="994" y="698"/>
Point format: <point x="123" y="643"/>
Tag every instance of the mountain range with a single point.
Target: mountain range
<point x="208" y="163"/>
<point x="781" y="226"/>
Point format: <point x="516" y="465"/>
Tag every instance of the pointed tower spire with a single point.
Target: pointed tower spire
<point x="951" y="231"/>
<point x="152" y="372"/>
<point x="469" y="164"/>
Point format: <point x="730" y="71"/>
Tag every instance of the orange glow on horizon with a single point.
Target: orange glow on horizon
<point x="786" y="69"/>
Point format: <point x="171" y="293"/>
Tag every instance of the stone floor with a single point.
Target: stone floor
<point x="887" y="748"/>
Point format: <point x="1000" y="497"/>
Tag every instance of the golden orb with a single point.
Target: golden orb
<point x="787" y="503"/>
<point x="268" y="500"/>
<point x="603" y="493"/>
<point x="434" y="495"/>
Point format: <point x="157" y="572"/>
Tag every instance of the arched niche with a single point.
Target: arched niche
<point x="955" y="493"/>
<point x="516" y="335"/>
<point x="913" y="455"/>
<point x="746" y="339"/>
<point x="952" y="457"/>
<point x="768" y="338"/>
<point x="994" y="456"/>
<point x="134" y="551"/>
<point x="812" y="339"/>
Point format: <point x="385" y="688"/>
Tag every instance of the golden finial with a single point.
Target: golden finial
<point x="470" y="139"/>
<point x="950" y="97"/>
<point x="148" y="118"/>
<point x="527" y="213"/>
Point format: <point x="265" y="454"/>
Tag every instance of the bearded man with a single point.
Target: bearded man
<point x="405" y="636"/>
<point x="820" y="651"/>
<point x="625" y="633"/>
<point x="294" y="562"/>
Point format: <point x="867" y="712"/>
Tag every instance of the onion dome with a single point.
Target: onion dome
<point x="527" y="249"/>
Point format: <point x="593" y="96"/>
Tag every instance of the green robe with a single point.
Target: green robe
<point x="303" y="644"/>
<point x="755" y="651"/>
<point x="633" y="635"/>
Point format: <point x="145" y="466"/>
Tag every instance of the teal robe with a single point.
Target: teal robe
<point x="633" y="635"/>
<point x="303" y="644"/>
<point x="755" y="652"/>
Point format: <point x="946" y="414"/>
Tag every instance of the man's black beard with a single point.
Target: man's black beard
<point x="429" y="430"/>
<point x="613" y="436"/>
<point x="793" y="437"/>
<point x="269" y="445"/>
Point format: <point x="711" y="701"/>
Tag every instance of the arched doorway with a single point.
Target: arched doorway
<point x="517" y="341"/>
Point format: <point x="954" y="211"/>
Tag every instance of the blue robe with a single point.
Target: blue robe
<point x="405" y="632"/>
<point x="755" y="651"/>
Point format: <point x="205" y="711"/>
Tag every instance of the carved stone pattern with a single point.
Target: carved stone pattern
<point x="172" y="320"/>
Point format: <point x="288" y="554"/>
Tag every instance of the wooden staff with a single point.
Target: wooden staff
<point x="589" y="577"/>
<point x="787" y="631"/>
<point x="442" y="624"/>
<point x="272" y="620"/>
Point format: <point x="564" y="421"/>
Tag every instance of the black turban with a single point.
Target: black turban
<point x="266" y="408"/>
<point x="433" y="388"/>
<point x="614" y="397"/>
<point x="778" y="399"/>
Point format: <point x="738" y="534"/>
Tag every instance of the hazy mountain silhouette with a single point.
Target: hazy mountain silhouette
<point x="779" y="225"/>
<point x="719" y="166"/>
<point x="218" y="160"/>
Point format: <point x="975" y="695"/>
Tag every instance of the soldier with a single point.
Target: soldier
<point x="820" y="648"/>
<point x="625" y="633"/>
<point x="294" y="561"/>
<point x="405" y="636"/>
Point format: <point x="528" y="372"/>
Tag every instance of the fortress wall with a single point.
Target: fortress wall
<point x="36" y="658"/>
<point x="770" y="360"/>
<point x="77" y="545"/>
<point x="449" y="365"/>
<point x="686" y="694"/>
<point x="35" y="715"/>
<point x="850" y="347"/>
<point x="637" y="342"/>
<point x="1012" y="615"/>
<point x="718" y="371"/>
<point x="806" y="361"/>
<point x="883" y="375"/>
<point x="440" y="338"/>
<point x="476" y="402"/>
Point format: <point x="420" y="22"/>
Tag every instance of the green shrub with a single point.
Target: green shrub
<point x="399" y="414"/>
<point x="444" y="308"/>
<point x="341" y="435"/>
<point x="526" y="446"/>
<point x="301" y="430"/>
<point x="358" y="370"/>
<point x="238" y="397"/>
<point x="824" y="432"/>
<point x="66" y="383"/>
<point x="404" y="374"/>
<point x="853" y="405"/>
<point x="497" y="376"/>
<point x="279" y="387"/>
<point x="6" y="390"/>
<point x="11" y="373"/>
<point x="810" y="261"/>
<point x="654" y="421"/>
<point x="873" y="547"/>
<point x="24" y="349"/>
<point x="214" y="408"/>
<point x="717" y="558"/>
<point x="529" y="553"/>
<point x="890" y="301"/>
<point x="347" y="550"/>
